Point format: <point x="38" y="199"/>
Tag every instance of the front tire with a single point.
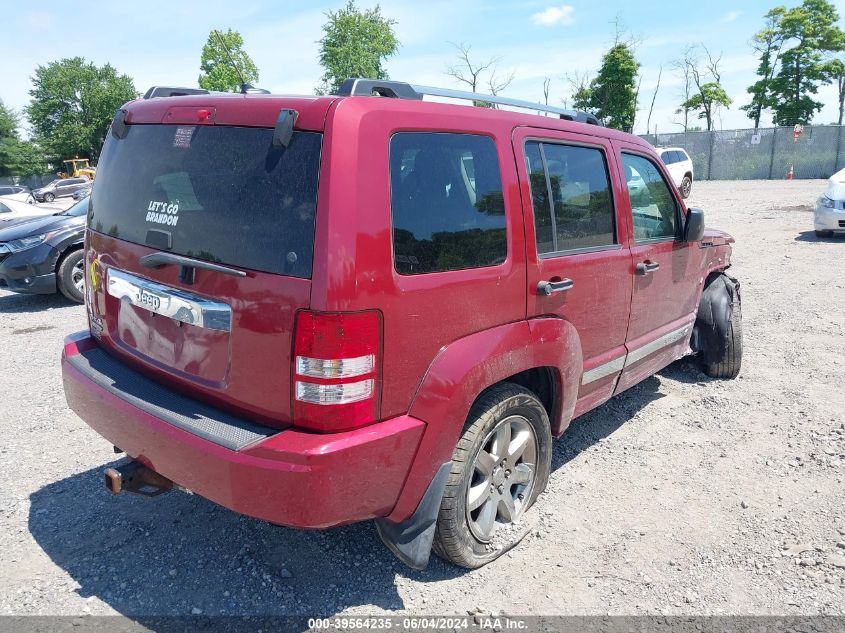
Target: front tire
<point x="499" y="467"/>
<point x="49" y="197"/>
<point x="727" y="365"/>
<point x="71" y="276"/>
<point x="686" y="187"/>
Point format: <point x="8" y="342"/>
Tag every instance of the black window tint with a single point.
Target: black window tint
<point x="652" y="204"/>
<point x="577" y="183"/>
<point x="219" y="193"/>
<point x="667" y="157"/>
<point x="447" y="203"/>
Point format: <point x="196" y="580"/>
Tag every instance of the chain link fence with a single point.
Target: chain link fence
<point x="762" y="154"/>
<point x="33" y="182"/>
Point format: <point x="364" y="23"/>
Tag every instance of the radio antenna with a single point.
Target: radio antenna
<point x="244" y="85"/>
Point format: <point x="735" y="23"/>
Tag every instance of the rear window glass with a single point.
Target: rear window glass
<point x="221" y="194"/>
<point x="447" y="203"/>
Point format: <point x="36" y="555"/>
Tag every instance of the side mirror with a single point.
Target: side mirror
<point x="694" y="229"/>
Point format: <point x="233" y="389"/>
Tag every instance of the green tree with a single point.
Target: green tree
<point x="709" y="97"/>
<point x="579" y="90"/>
<point x="613" y="93"/>
<point x="702" y="84"/>
<point x="812" y="32"/>
<point x="73" y="103"/>
<point x="216" y="70"/>
<point x="767" y="43"/>
<point x="355" y="43"/>
<point x="17" y="157"/>
<point x="835" y="71"/>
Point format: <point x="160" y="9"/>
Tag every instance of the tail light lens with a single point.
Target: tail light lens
<point x="337" y="367"/>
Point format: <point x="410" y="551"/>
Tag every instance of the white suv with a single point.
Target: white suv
<point x="680" y="167"/>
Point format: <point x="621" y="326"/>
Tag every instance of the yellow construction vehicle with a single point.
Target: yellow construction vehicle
<point x="78" y="167"/>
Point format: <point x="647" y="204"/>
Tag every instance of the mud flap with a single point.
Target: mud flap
<point x="712" y="323"/>
<point x="410" y="541"/>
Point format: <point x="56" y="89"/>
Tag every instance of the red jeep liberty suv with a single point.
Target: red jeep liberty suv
<point x="320" y="310"/>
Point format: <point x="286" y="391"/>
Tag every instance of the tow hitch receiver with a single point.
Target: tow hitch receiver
<point x="136" y="478"/>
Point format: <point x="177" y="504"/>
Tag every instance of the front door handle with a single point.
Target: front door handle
<point x="647" y="267"/>
<point x="550" y="287"/>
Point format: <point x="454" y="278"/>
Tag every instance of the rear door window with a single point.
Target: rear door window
<point x="447" y="205"/>
<point x="217" y="193"/>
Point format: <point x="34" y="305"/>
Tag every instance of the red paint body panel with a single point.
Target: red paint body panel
<point x="297" y="479"/>
<point x="464" y="369"/>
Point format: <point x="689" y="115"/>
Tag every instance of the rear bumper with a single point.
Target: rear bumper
<point x="287" y="477"/>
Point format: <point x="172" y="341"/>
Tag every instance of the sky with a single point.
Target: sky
<point x="159" y="42"/>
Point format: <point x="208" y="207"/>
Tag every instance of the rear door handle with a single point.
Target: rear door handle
<point x="646" y="267"/>
<point x="550" y="287"/>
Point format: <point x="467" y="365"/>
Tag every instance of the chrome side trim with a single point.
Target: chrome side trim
<point x="170" y="302"/>
<point x="605" y="369"/>
<point x="657" y="344"/>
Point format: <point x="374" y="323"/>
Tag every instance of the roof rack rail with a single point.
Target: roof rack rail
<point x="355" y="87"/>
<point x="168" y="91"/>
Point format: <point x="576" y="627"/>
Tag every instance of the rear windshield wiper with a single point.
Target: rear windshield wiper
<point x="187" y="273"/>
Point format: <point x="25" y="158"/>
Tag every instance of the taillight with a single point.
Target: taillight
<point x="336" y="366"/>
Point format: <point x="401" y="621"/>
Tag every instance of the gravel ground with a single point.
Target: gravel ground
<point x="682" y="496"/>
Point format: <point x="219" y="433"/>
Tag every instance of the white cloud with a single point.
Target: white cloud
<point x="731" y="16"/>
<point x="554" y="15"/>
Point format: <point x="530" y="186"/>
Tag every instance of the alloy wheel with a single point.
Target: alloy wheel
<point x="77" y="276"/>
<point x="504" y="470"/>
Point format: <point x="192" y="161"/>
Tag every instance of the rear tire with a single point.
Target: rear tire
<point x="492" y="466"/>
<point x="71" y="276"/>
<point x="686" y="187"/>
<point x="49" y="197"/>
<point x="727" y="366"/>
<point x="824" y="233"/>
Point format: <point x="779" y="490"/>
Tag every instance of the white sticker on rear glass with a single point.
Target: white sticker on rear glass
<point x="183" y="136"/>
<point x="163" y="213"/>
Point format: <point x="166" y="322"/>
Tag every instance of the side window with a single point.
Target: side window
<point x="446" y="201"/>
<point x="4" y="191"/>
<point x="652" y="204"/>
<point x="667" y="157"/>
<point x="571" y="197"/>
<point x="682" y="156"/>
<point x="4" y="208"/>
